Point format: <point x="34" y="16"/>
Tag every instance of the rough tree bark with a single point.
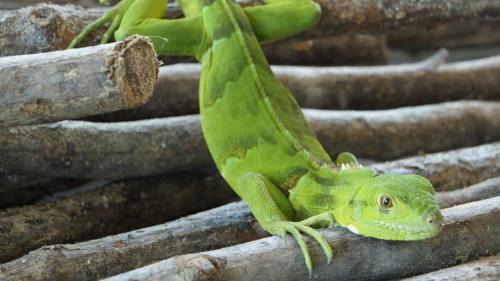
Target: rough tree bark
<point x="470" y="230"/>
<point x="339" y="87"/>
<point x="79" y="149"/>
<point x="71" y="84"/>
<point x="484" y="269"/>
<point x="224" y="226"/>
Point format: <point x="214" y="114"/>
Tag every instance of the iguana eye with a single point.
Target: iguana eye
<point x="386" y="201"/>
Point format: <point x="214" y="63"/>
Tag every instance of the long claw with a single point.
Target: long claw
<point x="302" y="244"/>
<point x="321" y="241"/>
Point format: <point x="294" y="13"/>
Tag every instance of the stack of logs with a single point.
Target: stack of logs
<point x="130" y="154"/>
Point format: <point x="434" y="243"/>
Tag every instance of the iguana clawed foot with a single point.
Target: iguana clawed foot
<point x="295" y="228"/>
<point x="115" y="15"/>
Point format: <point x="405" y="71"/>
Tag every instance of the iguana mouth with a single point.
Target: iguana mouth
<point x="410" y="232"/>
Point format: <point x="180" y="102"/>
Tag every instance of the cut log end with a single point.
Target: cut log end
<point x="132" y="64"/>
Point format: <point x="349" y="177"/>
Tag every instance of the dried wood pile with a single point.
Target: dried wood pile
<point x="104" y="172"/>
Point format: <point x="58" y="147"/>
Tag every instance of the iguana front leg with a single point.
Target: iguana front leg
<point x="274" y="212"/>
<point x="170" y="37"/>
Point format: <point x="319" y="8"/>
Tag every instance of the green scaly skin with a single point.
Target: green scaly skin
<point x="257" y="134"/>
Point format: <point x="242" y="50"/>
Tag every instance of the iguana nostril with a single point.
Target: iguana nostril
<point x="434" y="218"/>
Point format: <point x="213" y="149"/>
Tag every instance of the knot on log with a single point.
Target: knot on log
<point x="128" y="70"/>
<point x="199" y="267"/>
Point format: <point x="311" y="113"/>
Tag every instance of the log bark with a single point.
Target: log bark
<point x="485" y="269"/>
<point x="483" y="190"/>
<point x="351" y="49"/>
<point x="379" y="87"/>
<point x="224" y="226"/>
<point x="470" y="230"/>
<point x="459" y="34"/>
<point x="107" y="209"/>
<point x="71" y="84"/>
<point x="44" y="28"/>
<point x="338" y="17"/>
<point x="78" y="149"/>
<point x="17" y="4"/>
<point x="16" y="190"/>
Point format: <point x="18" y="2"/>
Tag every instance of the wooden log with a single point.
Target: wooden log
<point x="470" y="230"/>
<point x="108" y="209"/>
<point x="339" y="88"/>
<point x="483" y="190"/>
<point x="16" y="190"/>
<point x="349" y="49"/>
<point x="338" y="17"/>
<point x="485" y="269"/>
<point x="459" y="34"/>
<point x="223" y="226"/>
<point x="71" y="84"/>
<point x="44" y="28"/>
<point x="78" y="149"/>
<point x="40" y="22"/>
<point x="16" y="4"/>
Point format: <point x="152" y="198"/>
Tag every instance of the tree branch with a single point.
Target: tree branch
<point x="71" y="84"/>
<point x="486" y="269"/>
<point x="78" y="149"/>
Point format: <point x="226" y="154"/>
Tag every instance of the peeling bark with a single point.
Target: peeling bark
<point x="70" y="84"/>
<point x="78" y="149"/>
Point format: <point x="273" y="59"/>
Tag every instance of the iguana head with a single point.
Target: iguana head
<point x="392" y="207"/>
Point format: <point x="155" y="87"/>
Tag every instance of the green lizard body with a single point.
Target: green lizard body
<point x="257" y="134"/>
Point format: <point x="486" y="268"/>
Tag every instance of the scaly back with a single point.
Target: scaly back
<point x="237" y="84"/>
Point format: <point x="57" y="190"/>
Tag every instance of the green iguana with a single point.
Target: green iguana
<point x="257" y="134"/>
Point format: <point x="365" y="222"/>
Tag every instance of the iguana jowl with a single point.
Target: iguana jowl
<point x="257" y="134"/>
